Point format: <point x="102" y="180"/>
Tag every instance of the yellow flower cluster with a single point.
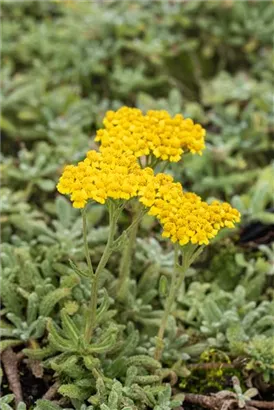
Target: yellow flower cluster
<point x="184" y="216"/>
<point x="115" y="173"/>
<point x="156" y="132"/>
<point x="103" y="175"/>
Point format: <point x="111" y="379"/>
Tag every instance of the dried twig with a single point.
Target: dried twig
<point x="36" y="368"/>
<point x="204" y="401"/>
<point x="50" y="394"/>
<point x="214" y="365"/>
<point x="214" y="403"/>
<point x="10" y="363"/>
<point x="20" y="356"/>
<point x="261" y="404"/>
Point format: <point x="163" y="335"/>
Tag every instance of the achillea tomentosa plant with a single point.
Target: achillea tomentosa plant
<point x="128" y="168"/>
<point x="133" y="148"/>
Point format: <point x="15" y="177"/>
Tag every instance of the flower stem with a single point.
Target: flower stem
<point x="177" y="278"/>
<point x="168" y="304"/>
<point x="84" y="216"/>
<point x="92" y="309"/>
<point x="126" y="260"/>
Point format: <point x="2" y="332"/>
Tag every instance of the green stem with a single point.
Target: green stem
<point x="126" y="260"/>
<point x="84" y="216"/>
<point x="169" y="301"/>
<point x="92" y="309"/>
<point x="177" y="278"/>
<point x="165" y="166"/>
<point x="154" y="162"/>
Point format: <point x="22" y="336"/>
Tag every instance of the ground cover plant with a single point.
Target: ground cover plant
<point x="121" y="288"/>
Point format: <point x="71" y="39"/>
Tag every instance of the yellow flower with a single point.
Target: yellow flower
<point x="102" y="175"/>
<point x="115" y="173"/>
<point x="184" y="216"/>
<point x="157" y="133"/>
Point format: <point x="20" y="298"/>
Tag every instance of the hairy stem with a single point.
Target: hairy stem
<point x="92" y="309"/>
<point x="126" y="260"/>
<point x="84" y="216"/>
<point x="177" y="278"/>
<point x="169" y="301"/>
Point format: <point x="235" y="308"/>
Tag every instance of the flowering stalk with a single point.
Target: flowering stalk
<point x="132" y="145"/>
<point x="126" y="260"/>
<point x="114" y="212"/>
<point x="189" y="254"/>
<point x="84" y="217"/>
<point x="169" y="301"/>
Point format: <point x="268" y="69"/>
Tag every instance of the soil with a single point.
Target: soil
<point x="189" y="406"/>
<point x="33" y="388"/>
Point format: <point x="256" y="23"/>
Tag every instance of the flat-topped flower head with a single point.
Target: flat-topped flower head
<point x="184" y="216"/>
<point x="102" y="175"/>
<point x="156" y="132"/>
<point x="115" y="173"/>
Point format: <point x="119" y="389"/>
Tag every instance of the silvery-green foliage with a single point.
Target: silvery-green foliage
<point x="229" y="319"/>
<point x="38" y="308"/>
<point x="49" y="405"/>
<point x="46" y="405"/>
<point x="140" y="298"/>
<point x="255" y="274"/>
<point x="153" y="266"/>
<point x="260" y="351"/>
<point x="222" y="311"/>
<point x="269" y="253"/>
<point x="176" y="346"/>
<point x="16" y="212"/>
<point x="66" y="230"/>
<point x="165" y="400"/>
<point x="29" y="297"/>
<point x="241" y="397"/>
<point x="13" y="202"/>
<point x="78" y="362"/>
<point x="125" y="398"/>
<point x="253" y="204"/>
<point x="7" y="403"/>
<point x="224" y="167"/>
<point x="18" y="265"/>
<point x="175" y="343"/>
<point x="33" y="168"/>
<point x="34" y="103"/>
<point x="151" y="250"/>
<point x="231" y="267"/>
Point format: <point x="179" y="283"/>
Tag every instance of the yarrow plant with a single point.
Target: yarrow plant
<point x="133" y="147"/>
